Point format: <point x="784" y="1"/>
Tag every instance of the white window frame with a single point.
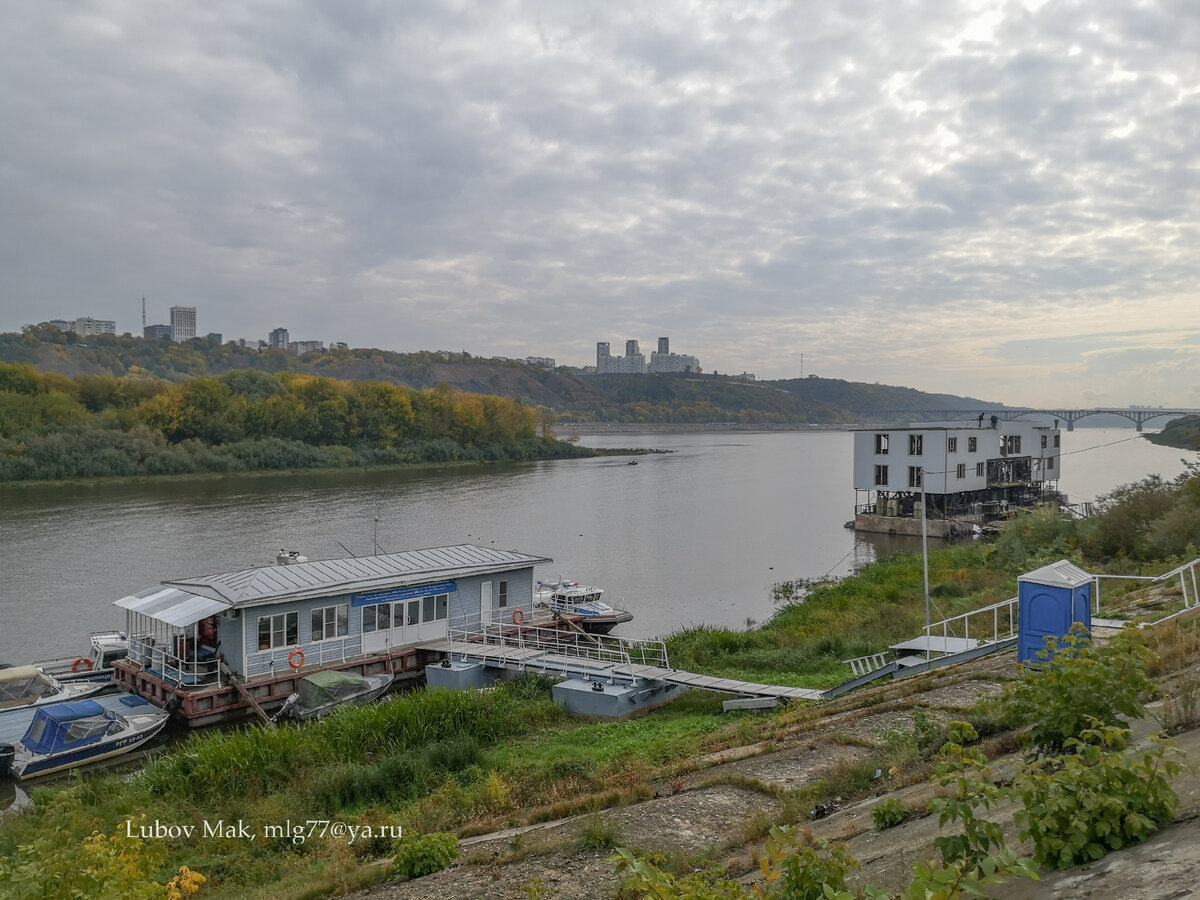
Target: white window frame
<point x="281" y="628"/>
<point x="336" y="617"/>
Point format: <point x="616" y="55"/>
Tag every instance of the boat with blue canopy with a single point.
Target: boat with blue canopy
<point x="64" y="735"/>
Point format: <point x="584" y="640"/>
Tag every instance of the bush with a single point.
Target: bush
<point x="889" y="813"/>
<point x="424" y="855"/>
<point x="1079" y="806"/>
<point x="1077" y="682"/>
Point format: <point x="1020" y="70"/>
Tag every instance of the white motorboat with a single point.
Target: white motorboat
<point x="23" y="686"/>
<point x="97" y="665"/>
<point x="581" y="602"/>
<point x="64" y="735"/>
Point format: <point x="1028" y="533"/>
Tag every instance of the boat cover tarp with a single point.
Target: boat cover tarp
<point x="51" y="731"/>
<point x="320" y="688"/>
<point x="172" y="606"/>
<point x="22" y="684"/>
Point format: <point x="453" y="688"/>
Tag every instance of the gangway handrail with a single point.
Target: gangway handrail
<point x="605" y="649"/>
<point x="1180" y="571"/>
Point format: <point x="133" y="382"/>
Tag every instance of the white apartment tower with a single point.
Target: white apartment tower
<point x="183" y="323"/>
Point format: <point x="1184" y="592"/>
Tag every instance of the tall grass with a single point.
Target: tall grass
<point x="259" y="760"/>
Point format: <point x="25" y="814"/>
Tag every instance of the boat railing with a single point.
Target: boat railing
<point x="595" y="648"/>
<point x="159" y="658"/>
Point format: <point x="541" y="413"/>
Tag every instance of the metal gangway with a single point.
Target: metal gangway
<point x="577" y="654"/>
<point x="967" y="636"/>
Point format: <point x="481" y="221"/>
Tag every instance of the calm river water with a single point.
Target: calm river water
<point x="699" y="534"/>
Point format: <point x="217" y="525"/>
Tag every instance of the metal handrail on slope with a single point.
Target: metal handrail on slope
<point x="593" y="648"/>
<point x="1185" y="573"/>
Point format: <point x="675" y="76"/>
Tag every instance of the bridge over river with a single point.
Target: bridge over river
<point x="1139" y="415"/>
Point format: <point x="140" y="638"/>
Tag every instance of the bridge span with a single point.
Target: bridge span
<point x="1139" y="415"/>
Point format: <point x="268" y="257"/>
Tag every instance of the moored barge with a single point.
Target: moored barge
<point x="221" y="647"/>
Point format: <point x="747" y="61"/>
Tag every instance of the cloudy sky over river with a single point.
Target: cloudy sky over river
<point x="999" y="199"/>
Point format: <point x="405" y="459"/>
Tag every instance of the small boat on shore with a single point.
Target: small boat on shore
<point x="97" y="665"/>
<point x="25" y="686"/>
<point x="570" y="599"/>
<point x="65" y="735"/>
<point x="322" y="692"/>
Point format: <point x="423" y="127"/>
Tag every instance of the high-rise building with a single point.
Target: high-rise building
<point x="278" y="339"/>
<point x="663" y="360"/>
<point x="183" y="323"/>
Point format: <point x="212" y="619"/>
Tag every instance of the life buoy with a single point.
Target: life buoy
<point x="518" y="617"/>
<point x="296" y="659"/>
<point x="82" y="665"/>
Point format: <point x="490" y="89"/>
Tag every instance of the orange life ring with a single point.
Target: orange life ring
<point x="82" y="664"/>
<point x="296" y="659"/>
<point x="518" y="617"/>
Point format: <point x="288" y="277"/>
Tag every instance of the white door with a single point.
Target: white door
<point x="485" y="603"/>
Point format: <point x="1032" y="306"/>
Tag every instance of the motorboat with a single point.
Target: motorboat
<point x="106" y="647"/>
<point x="65" y="735"/>
<point x="582" y="603"/>
<point x="322" y="692"/>
<point x="22" y="686"/>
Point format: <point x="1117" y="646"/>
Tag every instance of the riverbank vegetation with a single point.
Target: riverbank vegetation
<point x="571" y="394"/>
<point x="57" y="427"/>
<point x="439" y="763"/>
<point x="1183" y="433"/>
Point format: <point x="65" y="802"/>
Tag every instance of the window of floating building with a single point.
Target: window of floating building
<point x="972" y="444"/>
<point x="503" y="594"/>
<point x="952" y="445"/>
<point x="1050" y="462"/>
<point x="1012" y="444"/>
<point x="961" y="472"/>
<point x="914" y="476"/>
<point x="915" y="443"/>
<point x="1044" y="442"/>
<point x="979" y="469"/>
<point x="280" y="630"/>
<point x="881" y="475"/>
<point x="1056" y="437"/>
<point x="881" y="444"/>
<point x="330" y="622"/>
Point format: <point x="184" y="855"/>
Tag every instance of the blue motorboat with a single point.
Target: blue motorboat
<point x="64" y="735"/>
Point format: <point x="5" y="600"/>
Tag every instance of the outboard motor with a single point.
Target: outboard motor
<point x="7" y="752"/>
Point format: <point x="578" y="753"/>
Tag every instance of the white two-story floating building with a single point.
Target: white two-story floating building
<point x="212" y="647"/>
<point x="970" y="473"/>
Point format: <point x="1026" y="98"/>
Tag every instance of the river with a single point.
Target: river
<point x="697" y="534"/>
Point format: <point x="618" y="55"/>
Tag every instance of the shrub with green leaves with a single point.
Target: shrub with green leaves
<point x="1076" y="682"/>
<point x="889" y="813"/>
<point x="966" y="769"/>
<point x="1094" y="798"/>
<point x="424" y="855"/>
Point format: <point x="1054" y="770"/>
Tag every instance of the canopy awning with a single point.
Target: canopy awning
<point x="172" y="606"/>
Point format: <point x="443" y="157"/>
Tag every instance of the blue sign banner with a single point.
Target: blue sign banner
<point x="409" y="593"/>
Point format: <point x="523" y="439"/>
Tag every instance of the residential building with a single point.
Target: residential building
<point x="278" y="339"/>
<point x="632" y="363"/>
<point x="86" y="326"/>
<point x="157" y="332"/>
<point x="542" y="362"/>
<point x="299" y="348"/>
<point x="663" y="360"/>
<point x="968" y="473"/>
<point x="183" y="323"/>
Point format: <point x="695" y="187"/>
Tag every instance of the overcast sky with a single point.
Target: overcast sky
<point x="994" y="199"/>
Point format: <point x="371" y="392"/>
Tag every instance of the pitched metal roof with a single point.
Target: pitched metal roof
<point x="268" y="584"/>
<point x="1059" y="574"/>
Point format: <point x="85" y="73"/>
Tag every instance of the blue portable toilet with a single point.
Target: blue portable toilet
<point x="1051" y="600"/>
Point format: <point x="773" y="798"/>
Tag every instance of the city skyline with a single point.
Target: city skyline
<point x="998" y="200"/>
